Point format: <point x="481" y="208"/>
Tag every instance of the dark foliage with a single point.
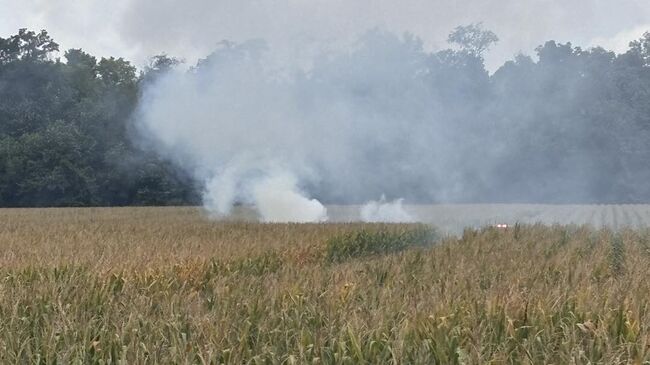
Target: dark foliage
<point x="584" y="114"/>
<point x="64" y="137"/>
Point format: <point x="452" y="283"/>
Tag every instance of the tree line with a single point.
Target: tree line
<point x="574" y="123"/>
<point x="65" y="131"/>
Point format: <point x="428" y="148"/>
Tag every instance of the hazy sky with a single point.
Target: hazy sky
<point x="136" y="29"/>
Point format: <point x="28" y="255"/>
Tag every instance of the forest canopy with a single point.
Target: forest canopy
<point x="67" y="136"/>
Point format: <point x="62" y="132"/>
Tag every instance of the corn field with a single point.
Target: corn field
<point x="167" y="285"/>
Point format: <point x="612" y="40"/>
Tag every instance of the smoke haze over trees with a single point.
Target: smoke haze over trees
<point x="567" y="125"/>
<point x="64" y="131"/>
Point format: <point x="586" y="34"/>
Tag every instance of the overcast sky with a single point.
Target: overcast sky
<point x="137" y="29"/>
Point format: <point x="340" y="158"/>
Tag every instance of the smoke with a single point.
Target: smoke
<point x="273" y="192"/>
<point x="268" y="137"/>
<point x="384" y="211"/>
<point x="279" y="200"/>
<point x="137" y="29"/>
<point x="385" y="116"/>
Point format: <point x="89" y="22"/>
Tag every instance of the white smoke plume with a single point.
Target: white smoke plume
<point x="382" y="115"/>
<point x="275" y="195"/>
<point x="232" y="121"/>
<point x="385" y="211"/>
<point x="267" y="137"/>
<point x="278" y="199"/>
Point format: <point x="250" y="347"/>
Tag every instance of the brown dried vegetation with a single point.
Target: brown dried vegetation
<point x="165" y="285"/>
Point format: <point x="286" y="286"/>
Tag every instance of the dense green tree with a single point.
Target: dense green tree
<point x="570" y="125"/>
<point x="26" y="46"/>
<point x="65" y="131"/>
<point x="641" y="49"/>
<point x="473" y="39"/>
